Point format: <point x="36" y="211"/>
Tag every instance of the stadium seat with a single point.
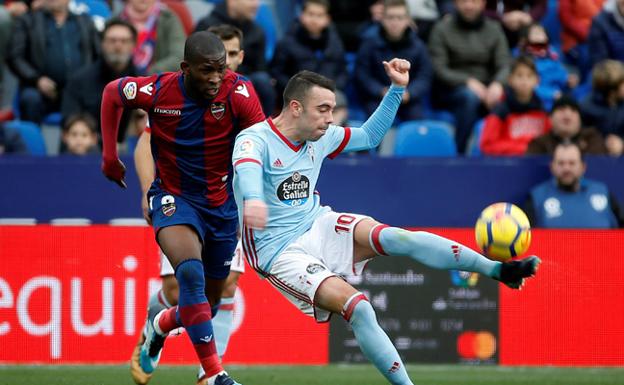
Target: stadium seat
<point x="70" y="222"/>
<point x="424" y="138"/>
<point x="266" y="19"/>
<point x="31" y="134"/>
<point x="474" y="143"/>
<point x="18" y="221"/>
<point x="140" y="222"/>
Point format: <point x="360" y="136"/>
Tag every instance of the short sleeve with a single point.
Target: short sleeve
<point x="336" y="139"/>
<point x="138" y="92"/>
<point x="249" y="147"/>
<point x="246" y="104"/>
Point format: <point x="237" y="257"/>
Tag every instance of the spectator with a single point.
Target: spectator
<point x="45" y="47"/>
<point x="515" y="15"/>
<point x="11" y="141"/>
<point x="395" y="38"/>
<point x="606" y="35"/>
<point x="603" y="108"/>
<point x="553" y="77"/>
<point x="425" y="13"/>
<point x="576" y="19"/>
<point x="83" y="93"/>
<point x="570" y="201"/>
<point x="353" y="17"/>
<point x="312" y="44"/>
<point x="566" y="125"/>
<point x="520" y="117"/>
<point x="241" y="14"/>
<point x="232" y="39"/>
<point x="160" y="42"/>
<point x="470" y="57"/>
<point x="80" y="136"/>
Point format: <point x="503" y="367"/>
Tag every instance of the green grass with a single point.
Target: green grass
<point x="318" y="375"/>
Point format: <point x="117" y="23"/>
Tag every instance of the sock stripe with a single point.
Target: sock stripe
<point x="374" y="239"/>
<point x="226" y="307"/>
<point x="195" y="314"/>
<point x="347" y="311"/>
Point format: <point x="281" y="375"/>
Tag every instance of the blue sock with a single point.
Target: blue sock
<point x="194" y="312"/>
<point x="431" y="250"/>
<point x="222" y="324"/>
<point x="374" y="342"/>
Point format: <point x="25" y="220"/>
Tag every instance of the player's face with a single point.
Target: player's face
<point x="317" y="113"/>
<point x="314" y="18"/>
<point x="205" y="75"/>
<point x="234" y="53"/>
<point x="470" y="10"/>
<point x="79" y="139"/>
<point x="566" y="122"/>
<point x="395" y="21"/>
<point x="117" y="45"/>
<point x="567" y="166"/>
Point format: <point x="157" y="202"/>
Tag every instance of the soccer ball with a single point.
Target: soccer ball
<point x="503" y="231"/>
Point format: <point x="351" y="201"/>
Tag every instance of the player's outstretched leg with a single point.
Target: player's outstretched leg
<point x="373" y="341"/>
<point x="441" y="253"/>
<point x="157" y="303"/>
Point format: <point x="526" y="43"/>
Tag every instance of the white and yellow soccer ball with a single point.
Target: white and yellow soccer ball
<point x="503" y="231"/>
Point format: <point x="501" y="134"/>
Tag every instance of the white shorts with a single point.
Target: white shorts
<point x="324" y="251"/>
<point x="238" y="264"/>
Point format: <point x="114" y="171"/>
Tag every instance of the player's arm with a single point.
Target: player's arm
<point x="373" y="130"/>
<point x="111" y="111"/>
<point x="145" y="168"/>
<point x="248" y="167"/>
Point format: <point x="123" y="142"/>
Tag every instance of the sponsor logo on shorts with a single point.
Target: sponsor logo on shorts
<point x="295" y="190"/>
<point x="168" y="205"/>
<point x="314" y="268"/>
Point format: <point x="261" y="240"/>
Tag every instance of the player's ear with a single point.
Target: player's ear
<point x="242" y="56"/>
<point x="184" y="66"/>
<point x="295" y="108"/>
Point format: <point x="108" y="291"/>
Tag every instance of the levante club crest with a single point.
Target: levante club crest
<point x="217" y="110"/>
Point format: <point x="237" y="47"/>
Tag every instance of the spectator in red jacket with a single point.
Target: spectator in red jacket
<point x="576" y="19"/>
<point x="520" y="117"/>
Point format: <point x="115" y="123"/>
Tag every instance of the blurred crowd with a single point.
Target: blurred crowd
<point x="505" y="77"/>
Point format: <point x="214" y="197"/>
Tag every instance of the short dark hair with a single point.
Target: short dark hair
<point x="202" y="43"/>
<point x="227" y="32"/>
<point x="396" y="3"/>
<point x="323" y="3"/>
<point x="115" y="21"/>
<point x="81" y="117"/>
<point x="570" y="143"/>
<point x="523" y="60"/>
<point x="300" y="84"/>
<point x="566" y="101"/>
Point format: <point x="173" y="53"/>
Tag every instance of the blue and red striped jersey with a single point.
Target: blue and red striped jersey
<point x="192" y="140"/>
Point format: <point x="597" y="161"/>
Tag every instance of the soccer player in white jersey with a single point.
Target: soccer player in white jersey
<point x="301" y="247"/>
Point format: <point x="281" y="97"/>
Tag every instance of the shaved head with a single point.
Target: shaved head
<point x="203" y="45"/>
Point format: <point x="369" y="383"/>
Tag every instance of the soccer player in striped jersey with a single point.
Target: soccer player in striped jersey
<point x="194" y="116"/>
<point x="303" y="248"/>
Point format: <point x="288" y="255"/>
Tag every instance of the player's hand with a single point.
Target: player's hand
<point x="255" y="213"/>
<point x="398" y="71"/>
<point x="114" y="170"/>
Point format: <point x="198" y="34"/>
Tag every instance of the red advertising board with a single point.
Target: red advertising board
<point x="78" y="294"/>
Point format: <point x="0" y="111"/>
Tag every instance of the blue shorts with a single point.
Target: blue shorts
<point x="215" y="226"/>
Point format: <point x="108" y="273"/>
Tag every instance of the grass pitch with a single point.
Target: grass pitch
<point x="318" y="375"/>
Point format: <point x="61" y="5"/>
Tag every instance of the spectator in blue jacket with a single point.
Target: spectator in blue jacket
<point x="396" y="38"/>
<point x="603" y="108"/>
<point x="606" y="35"/>
<point x="570" y="201"/>
<point x="554" y="78"/>
<point x="311" y="44"/>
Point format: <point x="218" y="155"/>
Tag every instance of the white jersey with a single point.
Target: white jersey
<point x="290" y="173"/>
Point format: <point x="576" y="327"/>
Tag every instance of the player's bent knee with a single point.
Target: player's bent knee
<point x="349" y="307"/>
<point x="170" y="289"/>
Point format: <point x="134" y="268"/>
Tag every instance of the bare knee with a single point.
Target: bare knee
<point x="170" y="289"/>
<point x="333" y="294"/>
<point x="231" y="283"/>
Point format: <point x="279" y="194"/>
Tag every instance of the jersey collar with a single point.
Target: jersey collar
<point x="284" y="139"/>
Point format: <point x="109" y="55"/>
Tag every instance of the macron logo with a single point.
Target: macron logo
<point x="167" y="111"/>
<point x="242" y="89"/>
<point x="206" y="339"/>
<point x="278" y="163"/>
